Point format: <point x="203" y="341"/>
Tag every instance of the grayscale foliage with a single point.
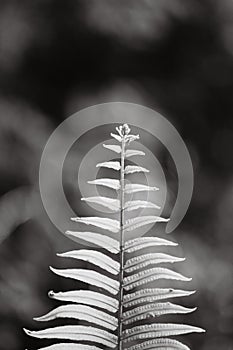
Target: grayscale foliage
<point x="123" y="311"/>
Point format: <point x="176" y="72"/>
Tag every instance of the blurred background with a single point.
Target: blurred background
<point x="57" y="57"/>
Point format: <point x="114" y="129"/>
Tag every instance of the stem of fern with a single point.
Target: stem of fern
<point x="121" y="275"/>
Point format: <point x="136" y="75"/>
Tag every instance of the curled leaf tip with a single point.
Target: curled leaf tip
<point x="27" y="331"/>
<point x="50" y="293"/>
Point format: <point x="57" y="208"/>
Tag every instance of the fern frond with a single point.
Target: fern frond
<point x="113" y="310"/>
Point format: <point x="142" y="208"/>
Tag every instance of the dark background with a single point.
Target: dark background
<point x="57" y="57"/>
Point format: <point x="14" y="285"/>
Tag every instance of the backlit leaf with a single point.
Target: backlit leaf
<point x="94" y="257"/>
<point x="111" y="165"/>
<point x="160" y="344"/>
<point x="81" y="312"/>
<point x="132" y="188"/>
<point x="87" y="297"/>
<point x="77" y="333"/>
<point x="114" y="148"/>
<point x="70" y="346"/>
<point x="105" y="223"/>
<point x="131" y="169"/>
<point x="132" y="152"/>
<point x="150" y="295"/>
<point x="91" y="277"/>
<point x="117" y="137"/>
<point x="137" y="204"/>
<point x="139" y="221"/>
<point x="110" y="203"/>
<point x="158" y="330"/>
<point x="135" y="244"/>
<point x="111" y="183"/>
<point x="141" y="261"/>
<point x="102" y="241"/>
<point x="151" y="275"/>
<point x="153" y="310"/>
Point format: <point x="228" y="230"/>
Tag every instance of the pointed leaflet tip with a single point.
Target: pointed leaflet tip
<point x="27" y="331"/>
<point x="53" y="269"/>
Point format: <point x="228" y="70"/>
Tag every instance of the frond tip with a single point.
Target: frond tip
<point x="124" y="278"/>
